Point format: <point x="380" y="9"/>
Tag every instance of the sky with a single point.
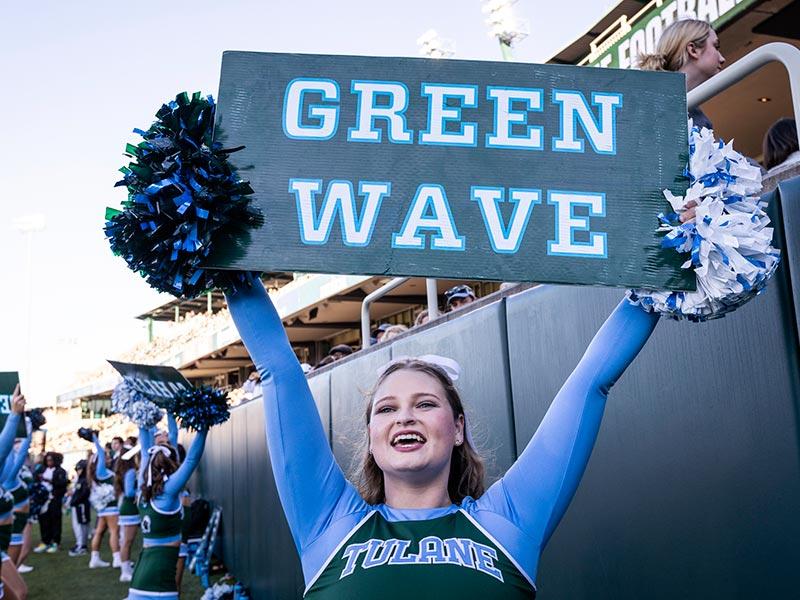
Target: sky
<point x="78" y="76"/>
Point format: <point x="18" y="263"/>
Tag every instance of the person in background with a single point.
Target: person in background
<point x="251" y="384"/>
<point x="54" y="477"/>
<point x="393" y="332"/>
<point x="691" y="47"/>
<point x="458" y="296"/>
<point x="780" y="145"/>
<point x="421" y="318"/>
<point x="378" y="332"/>
<point x="81" y="510"/>
<point x="340" y="351"/>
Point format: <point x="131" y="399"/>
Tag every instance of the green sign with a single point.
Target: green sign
<point x="8" y="382"/>
<point x="159" y="383"/>
<point x="454" y="169"/>
<point x="643" y="34"/>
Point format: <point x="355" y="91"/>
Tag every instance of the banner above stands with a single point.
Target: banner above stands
<point x="455" y="169"/>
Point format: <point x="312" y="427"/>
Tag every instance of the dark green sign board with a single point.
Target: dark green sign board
<point x="454" y="169"/>
<point x="8" y="382"/>
<point x="158" y="382"/>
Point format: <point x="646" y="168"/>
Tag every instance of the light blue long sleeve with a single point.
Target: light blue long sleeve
<point x="129" y="483"/>
<point x="11" y="473"/>
<point x="169" y="499"/>
<point x="145" y="443"/>
<point x="8" y="435"/>
<point x="101" y="471"/>
<point x="172" y="429"/>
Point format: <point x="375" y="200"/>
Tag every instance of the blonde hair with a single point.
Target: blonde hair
<point x="671" y="51"/>
<point x="466" y="466"/>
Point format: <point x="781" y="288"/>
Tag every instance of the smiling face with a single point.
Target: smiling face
<point x="412" y="429"/>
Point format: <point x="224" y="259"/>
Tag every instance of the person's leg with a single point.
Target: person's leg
<point x="13" y="582"/>
<point x="96" y="561"/>
<point x="179" y="572"/>
<point x="27" y="543"/>
<point x="57" y="520"/>
<point x="112" y="522"/>
<point x="44" y="528"/>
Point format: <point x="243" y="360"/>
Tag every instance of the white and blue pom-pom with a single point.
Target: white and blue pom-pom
<point x="729" y="244"/>
<point x="102" y="495"/>
<point x="145" y="413"/>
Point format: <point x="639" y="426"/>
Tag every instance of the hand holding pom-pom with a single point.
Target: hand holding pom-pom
<point x="183" y="194"/>
<point x="721" y="225"/>
<point x="87" y="433"/>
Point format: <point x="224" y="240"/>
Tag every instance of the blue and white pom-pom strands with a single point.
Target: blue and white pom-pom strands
<point x="729" y="243"/>
<point x="134" y="405"/>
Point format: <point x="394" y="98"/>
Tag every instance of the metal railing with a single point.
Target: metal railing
<point x="432" y="298"/>
<point x="780" y="52"/>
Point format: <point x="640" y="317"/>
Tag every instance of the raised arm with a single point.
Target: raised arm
<point x="145" y="442"/>
<point x="10" y="428"/>
<point x="310" y="483"/>
<point x="178" y="480"/>
<point x="172" y="430"/>
<point x="101" y="471"/>
<point x="10" y="476"/>
<point x="536" y="490"/>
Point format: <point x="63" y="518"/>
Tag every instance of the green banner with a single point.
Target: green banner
<point x="8" y="382"/>
<point x="158" y="382"/>
<point x="643" y="34"/>
<point x="455" y="169"/>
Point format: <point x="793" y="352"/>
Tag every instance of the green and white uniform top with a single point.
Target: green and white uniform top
<point x="351" y="549"/>
<point x="159" y="528"/>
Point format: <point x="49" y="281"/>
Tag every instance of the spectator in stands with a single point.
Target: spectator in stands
<point x="81" y="511"/>
<point x="458" y="297"/>
<point x="131" y="440"/>
<point x="780" y="145"/>
<point x="378" y="332"/>
<point x="324" y="362"/>
<point x="393" y="332"/>
<point x="251" y="384"/>
<point x="116" y="447"/>
<point x="54" y="478"/>
<point x="691" y="47"/>
<point x="340" y="351"/>
<point x="421" y="318"/>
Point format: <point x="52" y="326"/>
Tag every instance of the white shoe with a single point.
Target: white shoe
<point x="24" y="568"/>
<point x="117" y="562"/>
<point x="96" y="562"/>
<point x="127" y="572"/>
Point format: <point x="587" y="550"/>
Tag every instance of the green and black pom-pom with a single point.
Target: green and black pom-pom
<point x="183" y="196"/>
<point x="201" y="408"/>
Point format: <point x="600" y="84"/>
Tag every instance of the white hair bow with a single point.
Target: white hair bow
<point x="151" y="452"/>
<point x="448" y="365"/>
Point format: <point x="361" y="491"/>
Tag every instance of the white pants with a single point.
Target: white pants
<point x="81" y="530"/>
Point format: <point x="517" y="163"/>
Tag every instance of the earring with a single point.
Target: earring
<point x="458" y="441"/>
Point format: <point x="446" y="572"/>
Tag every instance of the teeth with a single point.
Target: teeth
<point x="405" y="438"/>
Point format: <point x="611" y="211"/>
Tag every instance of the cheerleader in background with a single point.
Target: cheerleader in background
<point x="12" y="587"/>
<point x="161" y="482"/>
<point x="105" y="503"/>
<point x="125" y="470"/>
<point x="13" y="484"/>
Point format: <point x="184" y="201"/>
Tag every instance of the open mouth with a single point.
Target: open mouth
<point x="407" y="440"/>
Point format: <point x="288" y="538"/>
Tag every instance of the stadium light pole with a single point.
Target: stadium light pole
<point x="28" y="225"/>
<point x="505" y="25"/>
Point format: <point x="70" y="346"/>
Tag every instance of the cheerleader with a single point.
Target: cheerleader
<point x="125" y="470"/>
<point x="421" y="519"/>
<point x="161" y="482"/>
<point x="12" y="587"/>
<point x="105" y="503"/>
<point x="13" y="484"/>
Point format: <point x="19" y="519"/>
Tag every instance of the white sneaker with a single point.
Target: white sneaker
<point x="24" y="568"/>
<point x="117" y="561"/>
<point x="127" y="572"/>
<point x="96" y="562"/>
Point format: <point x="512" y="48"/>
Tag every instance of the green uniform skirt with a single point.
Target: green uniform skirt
<point x="155" y="570"/>
<point x="5" y="537"/>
